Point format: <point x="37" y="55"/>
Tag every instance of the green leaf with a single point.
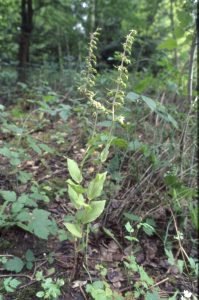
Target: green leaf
<point x="144" y="276"/>
<point x="24" y="176"/>
<point x="46" y="148"/>
<point x="74" y="170"/>
<point x="17" y="207"/>
<point x="30" y="255"/>
<point x="148" y="229"/>
<point x="180" y="265"/>
<point x="24" y="216"/>
<point x="104" y="124"/>
<point x="76" y="199"/>
<point x="40" y="294"/>
<point x="73" y="195"/>
<point x="14" y="264"/>
<point x="8" y="195"/>
<point x="105" y="152"/>
<point x="39" y="224"/>
<point x="27" y="201"/>
<point x="128" y="227"/>
<point x="29" y="265"/>
<point x="151" y="103"/>
<point x="91" y="213"/>
<point x="74" y="229"/>
<point x="33" y="144"/>
<point x="10" y="284"/>
<point x="120" y="143"/>
<point x="95" y="187"/>
<point x="170" y="256"/>
<point x="132" y="96"/>
<point x="185" y="18"/>
<point x="169" y="44"/>
<point x="5" y="151"/>
<point x="77" y="187"/>
<point x="132" y="217"/>
<point x="152" y="296"/>
<point x="134" y="145"/>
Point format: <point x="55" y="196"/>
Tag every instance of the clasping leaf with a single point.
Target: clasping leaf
<point x="96" y="186"/>
<point x="74" y="170"/>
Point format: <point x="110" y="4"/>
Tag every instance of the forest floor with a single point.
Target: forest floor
<point x="107" y="247"/>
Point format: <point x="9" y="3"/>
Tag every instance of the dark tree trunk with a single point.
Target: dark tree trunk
<point x="24" y="42"/>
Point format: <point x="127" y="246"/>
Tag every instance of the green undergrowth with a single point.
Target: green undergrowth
<point x="115" y="163"/>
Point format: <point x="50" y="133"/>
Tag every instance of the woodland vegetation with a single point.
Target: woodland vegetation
<point x="98" y="150"/>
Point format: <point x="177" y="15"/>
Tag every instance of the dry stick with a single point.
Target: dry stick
<point x="82" y="291"/>
<point x="160" y="282"/>
<point x="16" y="275"/>
<point x="183" y="252"/>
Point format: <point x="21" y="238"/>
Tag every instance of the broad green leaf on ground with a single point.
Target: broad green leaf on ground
<point x="30" y="258"/>
<point x="27" y="201"/>
<point x="91" y="213"/>
<point x="24" y="176"/>
<point x="10" y="284"/>
<point x="74" y="229"/>
<point x="8" y="195"/>
<point x="29" y="255"/>
<point x="46" y="148"/>
<point x="40" y="294"/>
<point x="23" y="216"/>
<point x="33" y="144"/>
<point x="74" y="170"/>
<point x="145" y="277"/>
<point x="40" y="225"/>
<point x="14" y="264"/>
<point x="152" y="296"/>
<point x="95" y="187"/>
<point x="17" y="207"/>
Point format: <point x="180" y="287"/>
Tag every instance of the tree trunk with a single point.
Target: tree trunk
<point x="172" y="2"/>
<point x="24" y="42"/>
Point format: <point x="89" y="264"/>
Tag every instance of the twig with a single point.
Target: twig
<point x="16" y="275"/>
<point x="82" y="291"/>
<point x="183" y="252"/>
<point x="160" y="282"/>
